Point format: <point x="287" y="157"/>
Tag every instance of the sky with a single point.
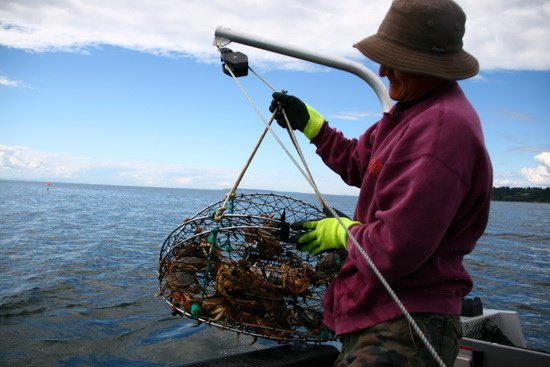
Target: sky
<point x="133" y="93"/>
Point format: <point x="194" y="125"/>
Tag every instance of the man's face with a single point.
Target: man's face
<point x="406" y="87"/>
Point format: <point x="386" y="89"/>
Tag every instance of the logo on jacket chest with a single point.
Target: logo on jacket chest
<point x="375" y="167"/>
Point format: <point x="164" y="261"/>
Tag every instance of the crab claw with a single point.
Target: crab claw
<point x="284" y="230"/>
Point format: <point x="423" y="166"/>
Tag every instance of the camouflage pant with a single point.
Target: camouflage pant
<point x="394" y="343"/>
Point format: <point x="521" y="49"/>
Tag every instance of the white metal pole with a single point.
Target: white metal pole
<point x="224" y="36"/>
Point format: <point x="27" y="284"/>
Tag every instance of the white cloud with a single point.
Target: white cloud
<point x="539" y="175"/>
<point x="509" y="34"/>
<point x="18" y="158"/>
<point x="353" y="116"/>
<point x="505" y="182"/>
<point x="27" y="164"/>
<point x="23" y="163"/>
<point x="511" y="179"/>
<point x="5" y="81"/>
<point x="517" y="115"/>
<point x="544" y="158"/>
<point x="183" y="181"/>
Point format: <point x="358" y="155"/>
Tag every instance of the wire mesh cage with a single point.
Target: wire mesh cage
<point x="240" y="272"/>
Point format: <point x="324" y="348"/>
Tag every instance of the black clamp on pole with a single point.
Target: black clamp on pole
<point x="236" y="61"/>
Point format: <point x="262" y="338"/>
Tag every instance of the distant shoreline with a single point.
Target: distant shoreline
<point x="522" y="194"/>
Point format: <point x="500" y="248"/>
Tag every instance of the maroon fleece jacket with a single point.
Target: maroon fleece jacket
<point x="425" y="182"/>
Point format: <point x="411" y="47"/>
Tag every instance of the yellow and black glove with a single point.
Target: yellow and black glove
<point x="301" y="116"/>
<point x="324" y="235"/>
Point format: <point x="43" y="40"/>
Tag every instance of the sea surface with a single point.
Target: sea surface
<point x="79" y="274"/>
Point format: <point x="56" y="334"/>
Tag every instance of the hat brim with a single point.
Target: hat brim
<point x="450" y="66"/>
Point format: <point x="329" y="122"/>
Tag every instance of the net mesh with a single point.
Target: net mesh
<point x="241" y="273"/>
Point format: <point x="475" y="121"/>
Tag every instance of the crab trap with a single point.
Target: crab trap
<point x="240" y="272"/>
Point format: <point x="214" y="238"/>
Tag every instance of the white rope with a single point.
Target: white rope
<point x="325" y="204"/>
<point x="388" y="288"/>
<point x="219" y="213"/>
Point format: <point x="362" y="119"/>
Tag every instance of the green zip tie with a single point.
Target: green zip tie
<point x="325" y="334"/>
<point x="213" y="236"/>
<point x="230" y="204"/>
<point x="226" y="246"/>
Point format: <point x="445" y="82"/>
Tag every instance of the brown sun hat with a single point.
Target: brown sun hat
<point x="423" y="37"/>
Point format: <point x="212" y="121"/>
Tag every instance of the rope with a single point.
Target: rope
<point x="262" y="79"/>
<point x="219" y="213"/>
<point x="271" y="131"/>
<point x="324" y="203"/>
<point x="303" y="159"/>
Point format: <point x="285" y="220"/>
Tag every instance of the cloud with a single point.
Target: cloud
<point x="539" y="175"/>
<point x="520" y="33"/>
<point x="18" y="158"/>
<point x="15" y="160"/>
<point x="544" y="158"/>
<point x="511" y="179"/>
<point x="518" y="40"/>
<point x="11" y="83"/>
<point x="25" y="163"/>
<point x="353" y="116"/>
<point x="500" y="182"/>
<point x="517" y="115"/>
<point x="527" y="148"/>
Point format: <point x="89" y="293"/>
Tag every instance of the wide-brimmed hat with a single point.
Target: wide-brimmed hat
<point x="424" y="37"/>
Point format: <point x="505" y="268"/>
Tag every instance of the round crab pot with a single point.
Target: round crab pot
<point x="241" y="272"/>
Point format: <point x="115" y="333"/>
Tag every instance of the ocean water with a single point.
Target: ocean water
<point x="79" y="274"/>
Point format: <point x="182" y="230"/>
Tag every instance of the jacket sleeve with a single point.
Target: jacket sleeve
<point x="347" y="157"/>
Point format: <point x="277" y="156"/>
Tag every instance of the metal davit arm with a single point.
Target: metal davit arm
<point x="223" y="36"/>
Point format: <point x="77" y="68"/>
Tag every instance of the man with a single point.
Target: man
<point x="425" y="183"/>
